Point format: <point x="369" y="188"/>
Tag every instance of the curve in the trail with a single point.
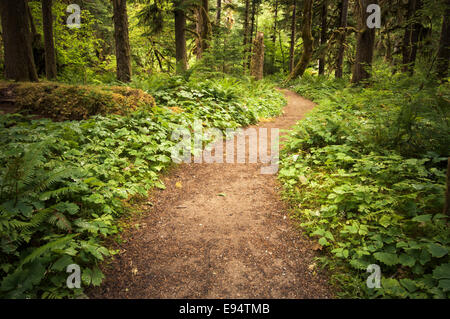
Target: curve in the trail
<point x="217" y="231"/>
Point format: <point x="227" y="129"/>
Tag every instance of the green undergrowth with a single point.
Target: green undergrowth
<point x="365" y="174"/>
<point x="63" y="185"/>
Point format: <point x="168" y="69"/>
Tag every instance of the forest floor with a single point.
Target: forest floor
<point x="217" y="231"/>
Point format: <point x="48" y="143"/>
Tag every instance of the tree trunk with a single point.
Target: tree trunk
<point x="257" y="62"/>
<point x="123" y="52"/>
<point x="219" y="12"/>
<point x="342" y="38"/>
<point x="447" y="191"/>
<point x="293" y="32"/>
<point x="50" y="57"/>
<point x="252" y="29"/>
<point x="180" y="38"/>
<point x="203" y="28"/>
<point x="18" y="54"/>
<point x="411" y="36"/>
<point x="274" y="36"/>
<point x="365" y="43"/>
<point x="443" y="55"/>
<point x="308" y="41"/>
<point x="246" y="12"/>
<point x="323" y="36"/>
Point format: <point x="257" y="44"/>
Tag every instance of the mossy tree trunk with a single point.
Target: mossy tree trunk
<point x="257" y="62"/>
<point x="308" y="41"/>
<point x="443" y="55"/>
<point x="49" y="45"/>
<point x="18" y="53"/>
<point x="365" y="43"/>
<point x="342" y="37"/>
<point x="122" y="42"/>
<point x="323" y="36"/>
<point x="180" y="37"/>
<point x="246" y="31"/>
<point x="293" y="35"/>
<point x="203" y="27"/>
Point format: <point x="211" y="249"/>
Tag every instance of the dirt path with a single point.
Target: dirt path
<point x="193" y="243"/>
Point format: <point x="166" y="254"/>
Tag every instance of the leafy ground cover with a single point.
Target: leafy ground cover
<point x="63" y="185"/>
<point x="365" y="174"/>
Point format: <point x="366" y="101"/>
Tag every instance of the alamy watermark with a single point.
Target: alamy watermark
<point x="190" y="141"/>
<point x="374" y="19"/>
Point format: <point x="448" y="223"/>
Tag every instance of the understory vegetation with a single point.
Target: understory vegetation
<point x="365" y="174"/>
<point x="64" y="184"/>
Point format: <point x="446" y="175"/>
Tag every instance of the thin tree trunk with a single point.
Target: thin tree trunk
<point x="411" y="36"/>
<point x="50" y="57"/>
<point x="293" y="32"/>
<point x="447" y="191"/>
<point x="443" y="55"/>
<point x="308" y="41"/>
<point x="180" y="38"/>
<point x="342" y="38"/>
<point x="219" y="12"/>
<point x="365" y="44"/>
<point x="274" y="36"/>
<point x="122" y="42"/>
<point x="252" y="29"/>
<point x="18" y="54"/>
<point x="246" y="12"/>
<point x="323" y="36"/>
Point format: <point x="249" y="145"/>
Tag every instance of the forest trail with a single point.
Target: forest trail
<point x="194" y="243"/>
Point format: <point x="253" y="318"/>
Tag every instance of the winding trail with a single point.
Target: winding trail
<point x="192" y="243"/>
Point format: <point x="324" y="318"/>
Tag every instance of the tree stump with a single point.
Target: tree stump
<point x="257" y="62"/>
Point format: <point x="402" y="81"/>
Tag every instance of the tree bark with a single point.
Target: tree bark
<point x="49" y="45"/>
<point x="274" y="36"/>
<point x="365" y="43"/>
<point x="308" y="41"/>
<point x="19" y="62"/>
<point x="246" y="12"/>
<point x="122" y="42"/>
<point x="443" y="55"/>
<point x="411" y="36"/>
<point x="293" y="32"/>
<point x="180" y="38"/>
<point x="203" y="28"/>
<point x="252" y="29"/>
<point x="323" y="35"/>
<point x="219" y="12"/>
<point x="342" y="38"/>
<point x="447" y="191"/>
<point x="257" y="62"/>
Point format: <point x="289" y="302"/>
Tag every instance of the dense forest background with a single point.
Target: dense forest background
<point x="88" y="109"/>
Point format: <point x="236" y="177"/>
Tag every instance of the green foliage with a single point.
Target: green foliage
<point x="365" y="173"/>
<point x="64" y="184"/>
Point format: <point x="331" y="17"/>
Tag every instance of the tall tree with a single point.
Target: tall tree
<point x="257" y="62"/>
<point x="293" y="36"/>
<point x="342" y="37"/>
<point x="308" y="41"/>
<point x="443" y="55"/>
<point x="219" y="12"/>
<point x="274" y="35"/>
<point x="122" y="41"/>
<point x="180" y="37"/>
<point x="19" y="62"/>
<point x="365" y="43"/>
<point x="411" y="35"/>
<point x="246" y="31"/>
<point x="203" y="27"/>
<point x="49" y="45"/>
<point x="252" y="29"/>
<point x="323" y="36"/>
